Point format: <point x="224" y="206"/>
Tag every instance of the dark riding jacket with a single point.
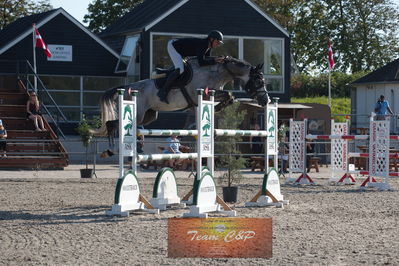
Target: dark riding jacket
<point x="195" y="47"/>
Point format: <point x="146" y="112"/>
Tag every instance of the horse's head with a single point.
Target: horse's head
<point x="256" y="86"/>
<point x="252" y="78"/>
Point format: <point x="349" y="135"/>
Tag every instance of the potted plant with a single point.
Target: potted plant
<point x="86" y="136"/>
<point x="231" y="161"/>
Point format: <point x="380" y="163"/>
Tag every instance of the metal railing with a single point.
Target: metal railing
<point x="41" y="90"/>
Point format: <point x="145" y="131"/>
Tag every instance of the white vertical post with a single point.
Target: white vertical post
<point x="120" y="112"/>
<point x="34" y="56"/>
<point x="275" y="103"/>
<point x="199" y="136"/>
<point x="304" y="152"/>
<point x="134" y="132"/>
<point x="211" y="159"/>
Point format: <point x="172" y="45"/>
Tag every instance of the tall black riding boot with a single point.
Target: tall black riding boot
<point x="163" y="93"/>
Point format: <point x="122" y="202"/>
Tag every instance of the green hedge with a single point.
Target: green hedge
<point x="338" y="105"/>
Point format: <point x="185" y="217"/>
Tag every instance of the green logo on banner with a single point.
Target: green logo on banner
<point x="271" y="120"/>
<point x="127" y="112"/>
<point x="206" y="115"/>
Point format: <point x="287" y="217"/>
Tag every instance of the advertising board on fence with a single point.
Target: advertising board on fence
<point x="220" y="238"/>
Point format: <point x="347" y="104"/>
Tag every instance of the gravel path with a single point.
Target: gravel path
<point x="57" y="218"/>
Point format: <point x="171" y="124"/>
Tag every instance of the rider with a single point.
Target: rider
<point x="180" y="48"/>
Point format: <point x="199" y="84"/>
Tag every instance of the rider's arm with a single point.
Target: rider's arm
<point x="204" y="58"/>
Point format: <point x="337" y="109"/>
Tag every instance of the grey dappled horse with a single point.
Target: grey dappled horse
<point x="213" y="77"/>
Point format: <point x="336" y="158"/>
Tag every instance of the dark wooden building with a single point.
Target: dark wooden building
<point x="81" y="68"/>
<point x="140" y="37"/>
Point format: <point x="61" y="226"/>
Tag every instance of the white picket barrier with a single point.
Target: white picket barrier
<point x="379" y="140"/>
<point x="297" y="156"/>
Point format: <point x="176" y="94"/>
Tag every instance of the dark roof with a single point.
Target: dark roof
<point x="140" y="16"/>
<point x="387" y="73"/>
<point x="16" y="28"/>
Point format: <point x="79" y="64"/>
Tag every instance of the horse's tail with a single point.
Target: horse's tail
<point x="108" y="111"/>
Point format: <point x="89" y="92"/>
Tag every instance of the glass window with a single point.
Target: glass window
<point x="230" y="47"/>
<point x="273" y="57"/>
<point x="101" y="83"/>
<point x="129" y="57"/>
<point x="270" y="53"/>
<point x="60" y="83"/>
<point x="62" y="98"/>
<point x="274" y="84"/>
<point x="160" y="56"/>
<point x="254" y="51"/>
<point x="92" y="98"/>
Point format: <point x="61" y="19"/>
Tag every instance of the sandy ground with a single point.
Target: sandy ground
<point x="57" y="218"/>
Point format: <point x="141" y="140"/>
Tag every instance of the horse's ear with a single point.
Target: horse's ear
<point x="259" y="66"/>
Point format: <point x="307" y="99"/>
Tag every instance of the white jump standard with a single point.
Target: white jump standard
<point x="269" y="194"/>
<point x="127" y="192"/>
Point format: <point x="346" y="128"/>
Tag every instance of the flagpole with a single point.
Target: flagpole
<point x="34" y="56"/>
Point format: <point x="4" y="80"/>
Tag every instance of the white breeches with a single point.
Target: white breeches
<point x="175" y="56"/>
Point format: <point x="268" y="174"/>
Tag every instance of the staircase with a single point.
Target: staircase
<point x="26" y="148"/>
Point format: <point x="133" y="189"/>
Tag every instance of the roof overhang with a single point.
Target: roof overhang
<point x="50" y="17"/>
<point x="249" y="2"/>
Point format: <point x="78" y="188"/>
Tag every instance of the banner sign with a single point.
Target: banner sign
<point x="127" y="128"/>
<point x="60" y="52"/>
<point x="271" y="127"/>
<point x="220" y="237"/>
<point x="206" y="128"/>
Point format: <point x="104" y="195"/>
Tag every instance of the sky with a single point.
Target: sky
<point x="78" y="8"/>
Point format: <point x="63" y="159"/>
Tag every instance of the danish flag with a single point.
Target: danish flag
<point x="330" y="56"/>
<point x="40" y="43"/>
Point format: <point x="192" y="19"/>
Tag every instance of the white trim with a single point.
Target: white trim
<point x="28" y="32"/>
<point x="260" y="11"/>
<point x="167" y="13"/>
<point x="50" y="17"/>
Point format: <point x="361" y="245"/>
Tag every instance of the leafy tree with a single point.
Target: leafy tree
<point x="11" y="10"/>
<point x="102" y="13"/>
<point x="230" y="118"/>
<point x="364" y="33"/>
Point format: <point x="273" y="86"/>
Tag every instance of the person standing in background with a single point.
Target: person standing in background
<point x="381" y="107"/>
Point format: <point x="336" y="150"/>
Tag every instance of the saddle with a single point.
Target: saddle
<point x="180" y="82"/>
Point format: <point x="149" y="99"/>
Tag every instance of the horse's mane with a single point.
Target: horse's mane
<point x="227" y="59"/>
<point x="238" y="62"/>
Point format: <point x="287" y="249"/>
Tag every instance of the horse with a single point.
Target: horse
<point x="183" y="97"/>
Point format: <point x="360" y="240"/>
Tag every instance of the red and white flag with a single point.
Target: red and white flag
<point x="330" y="56"/>
<point x="40" y="43"/>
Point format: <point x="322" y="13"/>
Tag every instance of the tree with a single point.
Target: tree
<point x="102" y="13"/>
<point x="364" y="33"/>
<point x="11" y="10"/>
<point x="230" y="118"/>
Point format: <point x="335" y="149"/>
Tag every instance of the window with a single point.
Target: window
<point x="265" y="51"/>
<point x="129" y="58"/>
<point x="270" y="53"/>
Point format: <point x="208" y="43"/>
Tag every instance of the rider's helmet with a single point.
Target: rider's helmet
<point x="217" y="35"/>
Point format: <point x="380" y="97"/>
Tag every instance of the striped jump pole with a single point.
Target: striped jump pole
<point x="347" y="137"/>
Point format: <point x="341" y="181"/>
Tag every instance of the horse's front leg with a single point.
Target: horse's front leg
<point x="224" y="98"/>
